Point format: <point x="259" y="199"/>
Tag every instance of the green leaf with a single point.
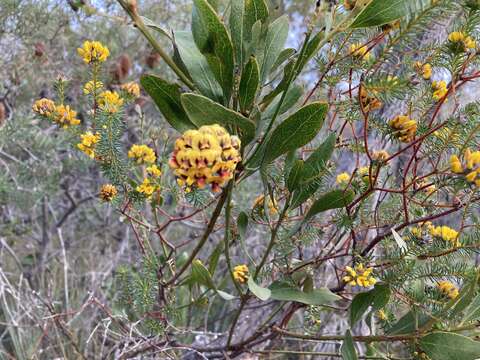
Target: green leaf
<point x="296" y="131"/>
<point x="274" y="43"/>
<point x="284" y="55"/>
<point x="380" y="12"/>
<point x="410" y="322"/>
<point x="333" y="200"/>
<point x="167" y="98"/>
<point x="249" y="85"/>
<point x="203" y="111"/>
<point x="313" y="172"/>
<point x="237" y="30"/>
<point x="448" y="346"/>
<point x="348" y="349"/>
<point x="377" y="298"/>
<point x="293" y="95"/>
<point x="197" y="66"/>
<point x="214" y="43"/>
<point x="242" y="224"/>
<point x="472" y="312"/>
<point x="155" y="26"/>
<point x="284" y="292"/>
<point x="255" y="10"/>
<point x="260" y="292"/>
<point x="224" y="295"/>
<point x="294" y="176"/>
<point x="213" y="261"/>
<point x="201" y="275"/>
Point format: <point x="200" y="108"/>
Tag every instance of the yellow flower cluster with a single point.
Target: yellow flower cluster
<point x="154" y="171"/>
<point x="93" y="51"/>
<point x="419" y="230"/>
<point x="108" y="192"/>
<point x="405" y="127"/>
<point x="439" y="90"/>
<point x="272" y="205"/>
<point x="92" y="86"/>
<point x="369" y="103"/>
<point x="205" y="156"/>
<point x="110" y="101"/>
<point x="131" y="88"/>
<point x="470" y="168"/>
<point x="65" y="116"/>
<point x="448" y="289"/>
<point x="142" y="154"/>
<point x="424" y="69"/>
<point x="240" y="273"/>
<point x="446" y="134"/>
<point x="44" y="107"/>
<point x="460" y="38"/>
<point x="146" y="188"/>
<point x="87" y="145"/>
<point x="360" y="276"/>
<point x="446" y="233"/>
<point x="343" y="179"/>
<point x="359" y="51"/>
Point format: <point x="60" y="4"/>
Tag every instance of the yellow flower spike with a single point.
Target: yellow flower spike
<point x="87" y="144"/>
<point x="64" y="116"/>
<point x="445" y="233"/>
<point x="110" y="101"/>
<point x="427" y="71"/>
<point x="207" y="156"/>
<point x="471" y="176"/>
<point x="359" y="51"/>
<point x="343" y="178"/>
<point x="131" y="88"/>
<point x="240" y="273"/>
<point x="108" y="192"/>
<point x="405" y="128"/>
<point x="154" y="171"/>
<point x="440" y="90"/>
<point x="44" y="107"/>
<point x="456" y="165"/>
<point x="448" y="289"/>
<point x="360" y="276"/>
<point x="93" y="51"/>
<point x="142" y="154"/>
<point x="460" y="38"/>
<point x="369" y="103"/>
<point x="92" y="86"/>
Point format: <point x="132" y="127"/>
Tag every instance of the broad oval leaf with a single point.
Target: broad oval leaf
<point x="249" y="85"/>
<point x="294" y="176"/>
<point x="410" y="322"/>
<point x="201" y="275"/>
<point x="151" y="24"/>
<point x="285" y="292"/>
<point x="377" y="298"/>
<point x="167" y="98"/>
<point x="380" y="12"/>
<point x="197" y="66"/>
<point x="313" y="171"/>
<point x="203" y="111"/>
<point x="224" y="295"/>
<point x="260" y="292"/>
<point x="348" y="348"/>
<point x="448" y="346"/>
<point x="296" y="131"/>
<point x="274" y="43"/>
<point x="333" y="200"/>
<point x="214" y="43"/>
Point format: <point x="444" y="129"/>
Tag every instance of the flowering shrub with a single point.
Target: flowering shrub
<point x="347" y="223"/>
